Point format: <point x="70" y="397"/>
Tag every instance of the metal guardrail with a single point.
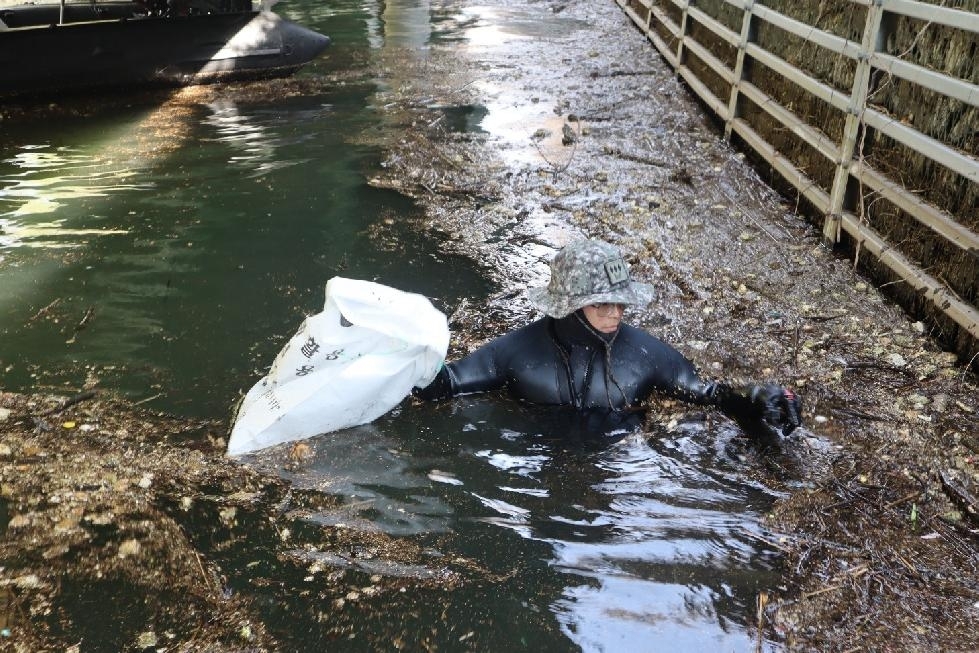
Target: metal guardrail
<point x="843" y="155"/>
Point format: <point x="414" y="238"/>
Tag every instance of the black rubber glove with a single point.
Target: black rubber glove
<point x="439" y="388"/>
<point x="769" y="410"/>
<point x="778" y="408"/>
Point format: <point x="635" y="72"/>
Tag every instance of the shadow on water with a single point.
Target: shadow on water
<point x="103" y="612"/>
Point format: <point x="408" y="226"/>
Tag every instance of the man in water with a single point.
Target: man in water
<point x="582" y="355"/>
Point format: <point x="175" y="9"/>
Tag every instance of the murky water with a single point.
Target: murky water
<point x="167" y="249"/>
<point x="167" y="245"/>
<point x="599" y="542"/>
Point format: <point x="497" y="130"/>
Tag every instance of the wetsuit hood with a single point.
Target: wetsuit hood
<point x="575" y="330"/>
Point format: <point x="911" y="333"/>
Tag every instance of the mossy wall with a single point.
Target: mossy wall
<point x="940" y="48"/>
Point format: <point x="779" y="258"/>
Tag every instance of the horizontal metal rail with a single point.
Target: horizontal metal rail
<point x="933" y="81"/>
<point x="665" y="21"/>
<point x="844" y="156"/>
<point x="828" y="41"/>
<point x="662" y="46"/>
<point x="631" y="13"/>
<point x="956" y="18"/>
<point x="720" y="31"/>
<point x="965" y="315"/>
<point x="963" y="164"/>
<point x="824" y="92"/>
<point x="812" y="136"/>
<point x="803" y="183"/>
<point x="938" y="220"/>
<point x="711" y="61"/>
<point x="717" y="105"/>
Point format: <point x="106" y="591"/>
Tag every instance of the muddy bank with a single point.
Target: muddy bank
<point x="87" y="542"/>
<point x="129" y="530"/>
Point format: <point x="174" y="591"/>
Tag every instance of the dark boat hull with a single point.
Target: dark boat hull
<point x="153" y="51"/>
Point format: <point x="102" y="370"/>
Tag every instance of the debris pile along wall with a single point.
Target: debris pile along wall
<point x="718" y="62"/>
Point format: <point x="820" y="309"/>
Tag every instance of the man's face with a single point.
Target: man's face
<point x="604" y="317"/>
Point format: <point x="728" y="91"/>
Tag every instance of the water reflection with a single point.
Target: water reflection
<point x="196" y="233"/>
<point x="254" y="140"/>
<point x="379" y="483"/>
<point x="407" y="24"/>
<point x="39" y="180"/>
<point x="649" y="541"/>
<point x="71" y="181"/>
<point x="647" y="537"/>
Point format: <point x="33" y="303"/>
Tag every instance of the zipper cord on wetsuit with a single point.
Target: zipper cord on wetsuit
<point x="609" y="377"/>
<point x="566" y="357"/>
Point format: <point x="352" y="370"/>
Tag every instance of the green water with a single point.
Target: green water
<point x="166" y="247"/>
<point x="195" y="236"/>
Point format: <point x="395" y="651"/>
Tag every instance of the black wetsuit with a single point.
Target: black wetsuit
<point x="568" y="362"/>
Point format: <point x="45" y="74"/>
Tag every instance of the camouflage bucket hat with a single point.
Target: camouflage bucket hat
<point x="588" y="272"/>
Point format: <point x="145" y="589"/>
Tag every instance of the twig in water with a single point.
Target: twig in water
<point x="357" y="505"/>
<point x="762" y="602"/>
<point x="44" y="311"/>
<point x="892" y="283"/>
<point x="795" y="345"/>
<point x="89" y="314"/>
<point x="80" y="397"/>
<point x="809" y="595"/>
<point x="207" y="581"/>
<point x="969" y="366"/>
<point x="635" y="158"/>
<point x="148" y="399"/>
<point x="758" y="224"/>
<point x="896" y="502"/>
<point x="760" y="538"/>
<point x="824" y="318"/>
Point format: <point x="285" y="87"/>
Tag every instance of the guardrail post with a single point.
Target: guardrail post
<point x="747" y="36"/>
<point x="872" y="42"/>
<point x="681" y="51"/>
